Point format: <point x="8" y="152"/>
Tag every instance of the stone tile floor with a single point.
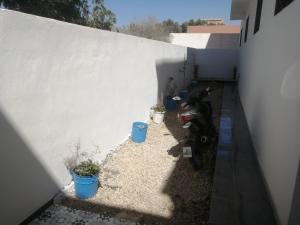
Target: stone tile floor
<point x="57" y="214"/>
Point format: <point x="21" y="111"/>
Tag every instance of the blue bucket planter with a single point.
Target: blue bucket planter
<point x="171" y="104"/>
<point x="139" y="132"/>
<point x="183" y="94"/>
<point x="85" y="187"/>
<point x="194" y="83"/>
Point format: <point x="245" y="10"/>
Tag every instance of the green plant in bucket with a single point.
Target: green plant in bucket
<point x="159" y="108"/>
<point x="87" y="168"/>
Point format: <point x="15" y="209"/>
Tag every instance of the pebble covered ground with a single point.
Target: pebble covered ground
<point x="58" y="214"/>
<point x="151" y="183"/>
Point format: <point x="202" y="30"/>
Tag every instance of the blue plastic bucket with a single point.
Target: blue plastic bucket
<point x="183" y="94"/>
<point x="139" y="131"/>
<point x="171" y="104"/>
<point x="85" y="187"/>
<point x="194" y="83"/>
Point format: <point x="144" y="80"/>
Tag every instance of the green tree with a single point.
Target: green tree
<point x="151" y="28"/>
<point x="184" y="27"/>
<point x="84" y="12"/>
<point x="148" y="28"/>
<point x="192" y="22"/>
<point x="101" y="17"/>
<point x="65" y="10"/>
<point x="171" y="26"/>
<point x="200" y="22"/>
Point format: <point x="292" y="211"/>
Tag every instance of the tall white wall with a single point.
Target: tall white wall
<point x="61" y="84"/>
<point x="205" y="40"/>
<point x="270" y="93"/>
<point x="216" y="63"/>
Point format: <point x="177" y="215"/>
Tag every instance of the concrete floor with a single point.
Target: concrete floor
<point x="239" y="193"/>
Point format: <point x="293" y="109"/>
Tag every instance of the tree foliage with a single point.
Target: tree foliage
<point x="148" y="28"/>
<point x="192" y="22"/>
<point x="171" y="26"/>
<point x="101" y="17"/>
<point x="153" y="29"/>
<point x="85" y="12"/>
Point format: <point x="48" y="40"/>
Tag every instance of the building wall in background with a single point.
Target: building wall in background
<point x="216" y="63"/>
<point x="214" y="29"/>
<point x="62" y="85"/>
<point x="205" y="40"/>
<point x="269" y="88"/>
<point x="214" y="21"/>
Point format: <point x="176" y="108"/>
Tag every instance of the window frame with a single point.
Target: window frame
<point x="280" y="5"/>
<point x="258" y="16"/>
<point x="241" y="37"/>
<point x="246" y="30"/>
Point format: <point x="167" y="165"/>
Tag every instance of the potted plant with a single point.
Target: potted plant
<point x="84" y="171"/>
<point x="159" y="113"/>
<point x="86" y="179"/>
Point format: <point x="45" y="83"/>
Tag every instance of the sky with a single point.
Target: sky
<point x="179" y="10"/>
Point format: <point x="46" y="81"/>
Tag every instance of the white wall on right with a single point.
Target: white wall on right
<point x="270" y="92"/>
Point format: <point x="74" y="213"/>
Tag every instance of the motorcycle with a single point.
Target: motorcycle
<point x="197" y="118"/>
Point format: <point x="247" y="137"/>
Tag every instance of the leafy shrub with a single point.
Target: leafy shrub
<point x="159" y="108"/>
<point x="87" y="168"/>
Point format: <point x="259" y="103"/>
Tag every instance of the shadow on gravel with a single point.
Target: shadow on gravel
<point x="190" y="190"/>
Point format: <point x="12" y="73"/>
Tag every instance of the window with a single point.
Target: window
<point x="241" y="37"/>
<point x="281" y="4"/>
<point x="258" y="15"/>
<point x="246" y="31"/>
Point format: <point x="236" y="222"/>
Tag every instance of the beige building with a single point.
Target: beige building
<point x="214" y="21"/>
<point x="220" y="29"/>
<point x="208" y="37"/>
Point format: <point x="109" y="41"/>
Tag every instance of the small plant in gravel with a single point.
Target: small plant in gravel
<point x="159" y="113"/>
<point x="81" y="164"/>
<point x="87" y="168"/>
<point x="84" y="172"/>
<point x="159" y="108"/>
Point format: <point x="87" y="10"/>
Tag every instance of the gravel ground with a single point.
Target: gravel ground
<point x="151" y="183"/>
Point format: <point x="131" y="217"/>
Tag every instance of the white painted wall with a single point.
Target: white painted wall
<point x="270" y="93"/>
<point x="190" y="40"/>
<point x="62" y="83"/>
<point x="216" y="63"/>
<point x="205" y="40"/>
